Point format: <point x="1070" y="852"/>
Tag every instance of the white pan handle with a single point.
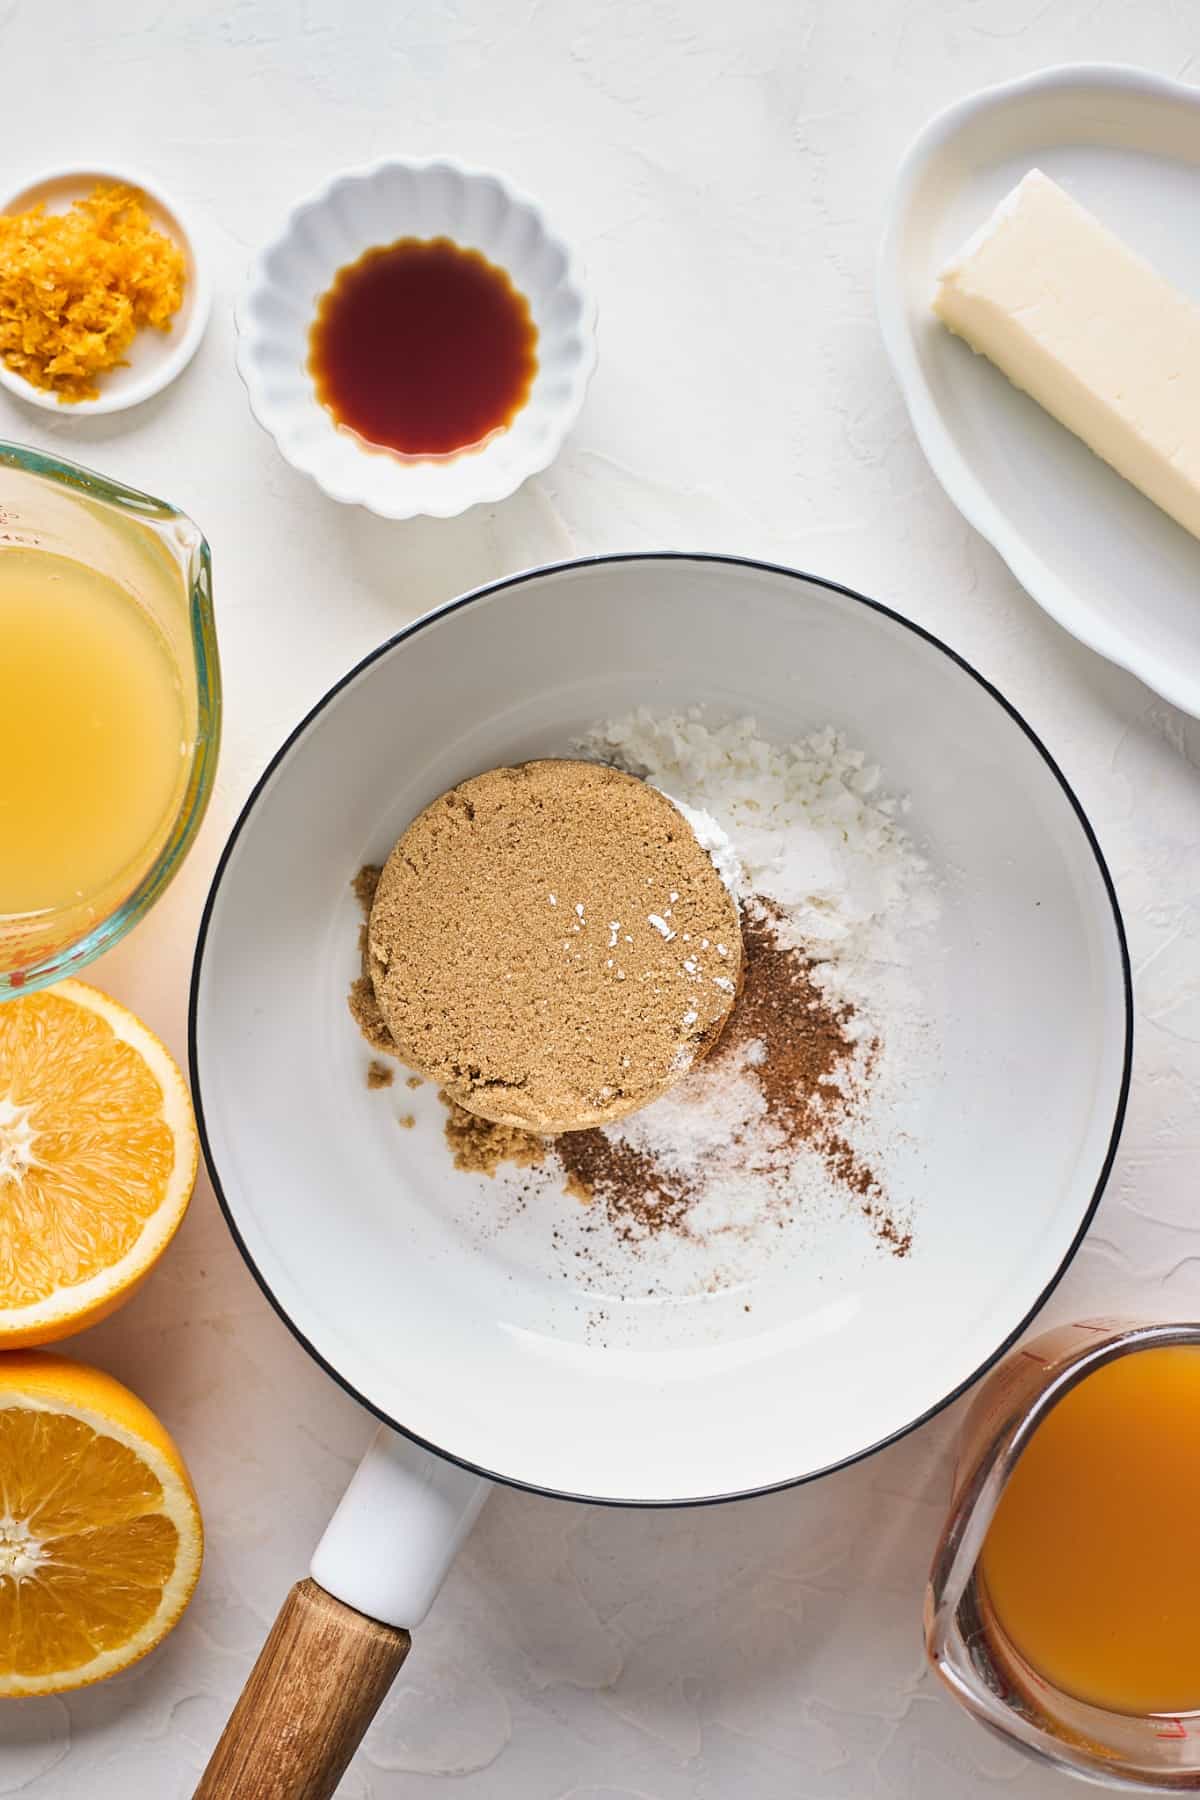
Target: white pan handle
<point x="341" y="1636"/>
<point x="389" y="1546"/>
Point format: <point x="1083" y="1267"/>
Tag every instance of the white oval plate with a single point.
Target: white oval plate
<point x="154" y="358"/>
<point x="463" y="1324"/>
<point x="1097" y="555"/>
<point x="365" y="207"/>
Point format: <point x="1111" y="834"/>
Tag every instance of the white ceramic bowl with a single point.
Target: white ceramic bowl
<point x="1096" y="554"/>
<point x="154" y="358"/>
<point x="364" y="207"/>
<point x="467" y="1329"/>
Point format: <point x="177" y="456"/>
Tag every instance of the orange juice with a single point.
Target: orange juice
<point x="93" y="758"/>
<point x="1090" y="1563"/>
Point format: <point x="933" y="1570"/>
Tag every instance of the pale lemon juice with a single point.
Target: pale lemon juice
<point x="93" y="751"/>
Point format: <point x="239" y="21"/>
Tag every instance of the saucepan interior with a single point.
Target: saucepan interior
<point x="447" y="1307"/>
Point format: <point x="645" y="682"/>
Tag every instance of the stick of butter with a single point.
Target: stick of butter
<point x="1091" y="331"/>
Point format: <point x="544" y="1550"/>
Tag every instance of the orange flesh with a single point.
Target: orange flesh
<point x="84" y="1551"/>
<point x="99" y="1153"/>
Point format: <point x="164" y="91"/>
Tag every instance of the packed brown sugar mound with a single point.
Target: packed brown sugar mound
<point x="75" y="287"/>
<point x="552" y="945"/>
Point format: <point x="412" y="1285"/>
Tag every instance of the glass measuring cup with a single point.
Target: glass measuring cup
<point x="966" y="1645"/>
<point x="160" y="558"/>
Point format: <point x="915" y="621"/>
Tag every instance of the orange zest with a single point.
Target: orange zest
<point x="76" y="286"/>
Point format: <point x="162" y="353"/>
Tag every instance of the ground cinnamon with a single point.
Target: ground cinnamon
<point x="813" y="1048"/>
<point x="639" y="1197"/>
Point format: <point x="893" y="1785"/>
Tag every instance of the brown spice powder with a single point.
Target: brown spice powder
<point x="639" y="1197"/>
<point x="813" y="1053"/>
<point x="379" y="1075"/>
<point x="807" y="1035"/>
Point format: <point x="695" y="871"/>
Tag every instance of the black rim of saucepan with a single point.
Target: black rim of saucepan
<point x="541" y="573"/>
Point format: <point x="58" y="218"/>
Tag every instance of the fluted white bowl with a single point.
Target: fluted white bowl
<point x="352" y="213"/>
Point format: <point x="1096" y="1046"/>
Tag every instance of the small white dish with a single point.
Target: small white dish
<point x="366" y="207"/>
<point x="154" y="358"/>
<point x="1098" y="556"/>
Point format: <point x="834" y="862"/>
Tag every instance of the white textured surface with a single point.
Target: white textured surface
<point x="735" y="158"/>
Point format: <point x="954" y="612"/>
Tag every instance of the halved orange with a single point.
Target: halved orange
<point x="100" y="1533"/>
<point x="98" y="1155"/>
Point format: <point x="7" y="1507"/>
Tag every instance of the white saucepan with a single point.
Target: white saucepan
<point x="481" y="1361"/>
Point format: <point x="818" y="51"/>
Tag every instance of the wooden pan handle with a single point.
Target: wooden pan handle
<point x="315" y="1688"/>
